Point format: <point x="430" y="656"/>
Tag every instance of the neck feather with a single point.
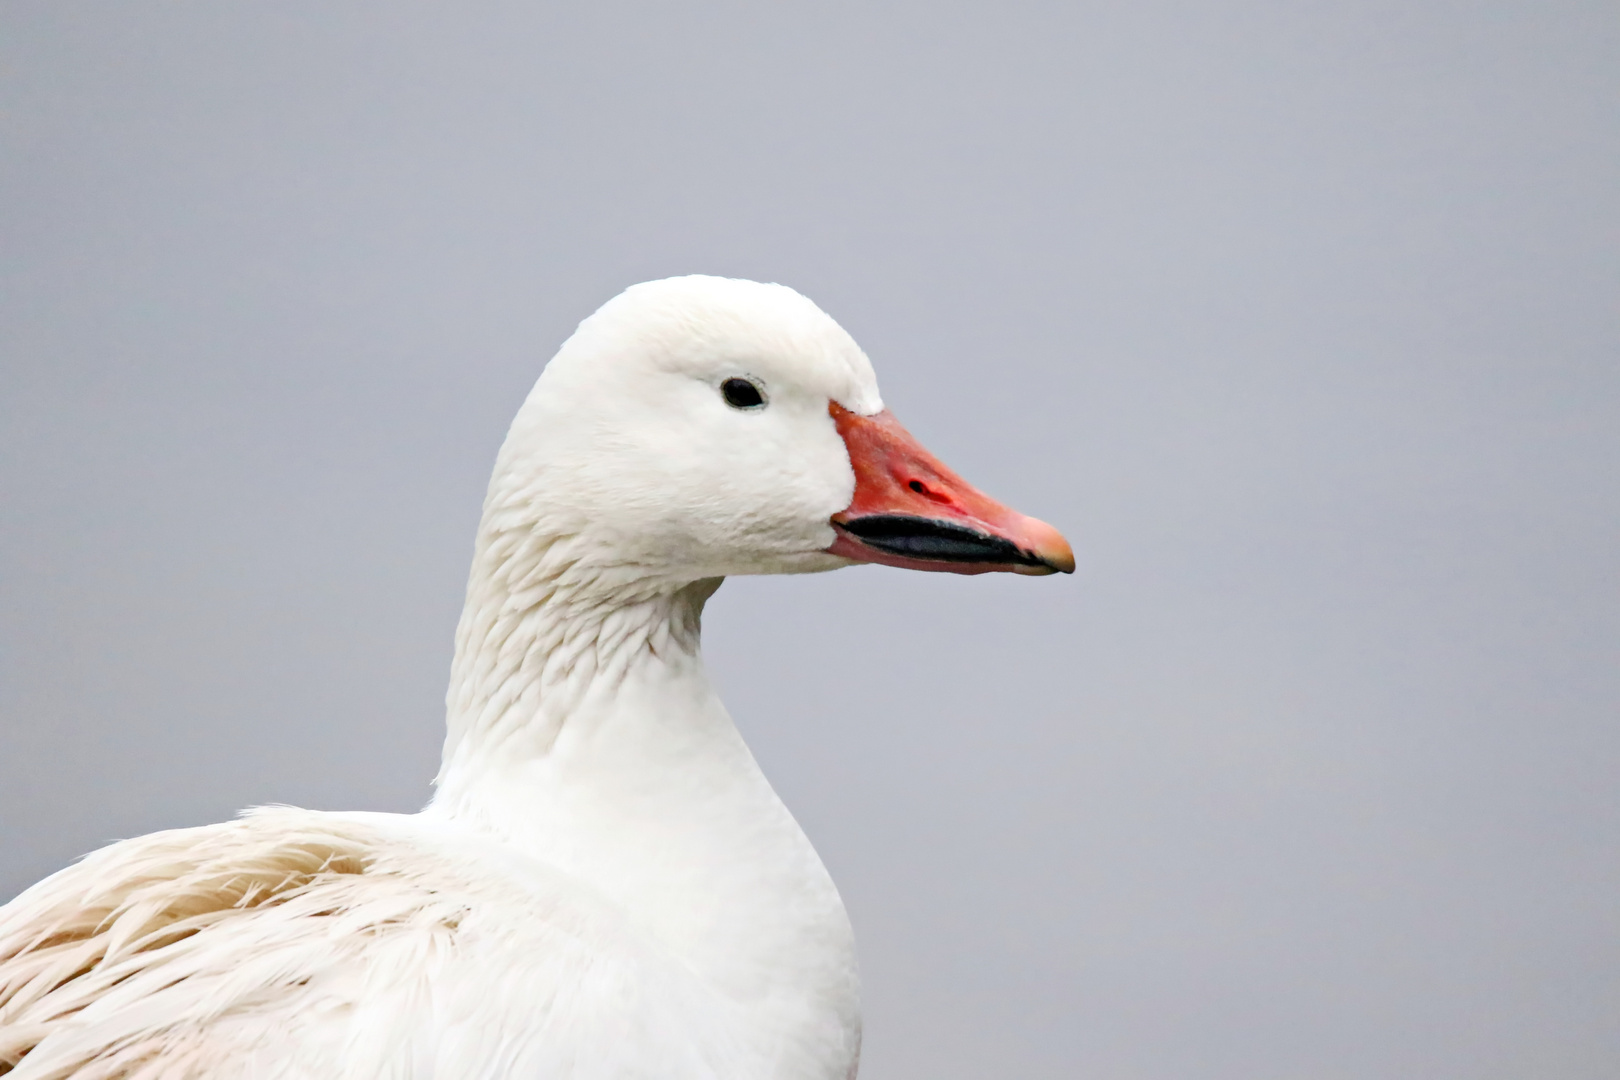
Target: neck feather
<point x="583" y="733"/>
<point x="544" y="626"/>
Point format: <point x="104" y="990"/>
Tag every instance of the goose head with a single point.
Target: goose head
<point x="698" y="427"/>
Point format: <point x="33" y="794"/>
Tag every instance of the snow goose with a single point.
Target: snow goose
<point x="604" y="884"/>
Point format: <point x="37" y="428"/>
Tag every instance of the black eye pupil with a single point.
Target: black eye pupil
<point x="741" y="394"/>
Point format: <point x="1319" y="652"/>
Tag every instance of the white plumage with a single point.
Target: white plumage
<point x="605" y="885"/>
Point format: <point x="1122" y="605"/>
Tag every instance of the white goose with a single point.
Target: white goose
<point x="604" y="885"/>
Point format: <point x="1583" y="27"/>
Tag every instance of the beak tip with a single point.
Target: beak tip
<point x="1052" y="549"/>
<point x="1054" y="564"/>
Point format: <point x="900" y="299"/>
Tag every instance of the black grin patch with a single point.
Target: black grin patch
<point x="928" y="540"/>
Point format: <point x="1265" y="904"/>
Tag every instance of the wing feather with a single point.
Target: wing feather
<point x="296" y="945"/>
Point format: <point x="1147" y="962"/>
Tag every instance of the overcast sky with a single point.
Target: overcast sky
<point x="1301" y="320"/>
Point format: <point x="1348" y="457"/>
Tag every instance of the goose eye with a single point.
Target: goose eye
<point x="741" y="394"/>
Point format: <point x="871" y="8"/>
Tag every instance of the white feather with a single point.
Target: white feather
<point x="605" y="885"/>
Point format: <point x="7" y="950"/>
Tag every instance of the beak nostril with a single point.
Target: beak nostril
<point x="940" y="497"/>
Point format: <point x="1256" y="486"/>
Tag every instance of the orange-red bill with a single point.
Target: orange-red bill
<point x="909" y="510"/>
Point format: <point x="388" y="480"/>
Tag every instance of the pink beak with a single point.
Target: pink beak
<point x="909" y="510"/>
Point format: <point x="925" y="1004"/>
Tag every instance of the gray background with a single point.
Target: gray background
<point x="1302" y="320"/>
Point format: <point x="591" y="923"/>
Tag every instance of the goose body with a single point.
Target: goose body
<point x="604" y="885"/>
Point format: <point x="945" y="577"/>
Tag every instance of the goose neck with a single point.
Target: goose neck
<point x="533" y="657"/>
